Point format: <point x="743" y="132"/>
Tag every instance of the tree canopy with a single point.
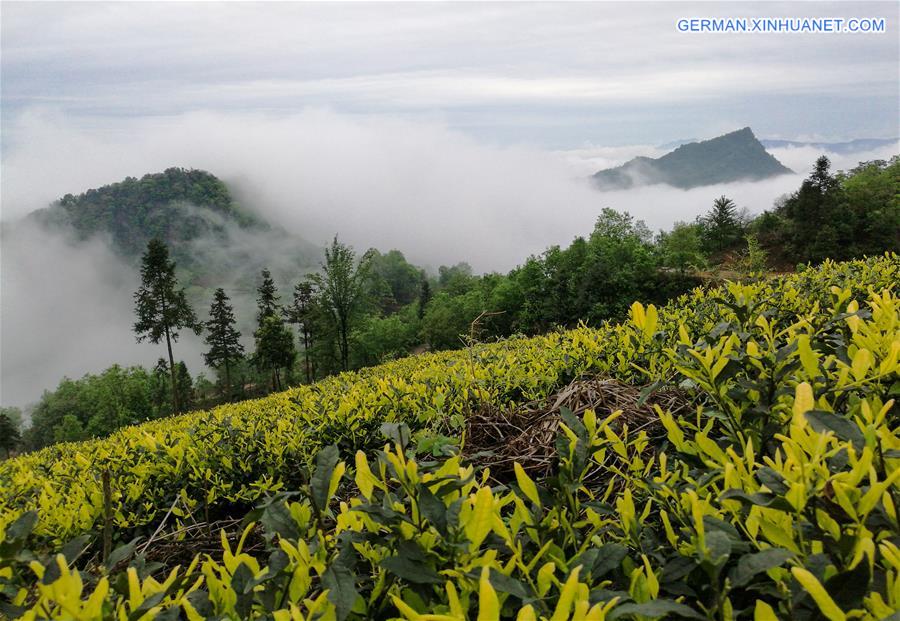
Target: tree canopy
<point x="222" y="337"/>
<point x="161" y="306"/>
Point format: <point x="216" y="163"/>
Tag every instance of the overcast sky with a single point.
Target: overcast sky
<point x="550" y="75"/>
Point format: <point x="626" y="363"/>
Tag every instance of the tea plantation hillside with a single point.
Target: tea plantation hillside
<point x="753" y="473"/>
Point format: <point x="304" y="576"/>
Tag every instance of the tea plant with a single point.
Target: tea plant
<point x="776" y="499"/>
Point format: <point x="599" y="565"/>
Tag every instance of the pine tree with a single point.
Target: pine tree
<point x="721" y="226"/>
<point x="424" y="295"/>
<point x="162" y="307"/>
<point x="223" y="339"/>
<point x="160" y="391"/>
<point x="9" y="434"/>
<point x="816" y="222"/>
<point x="268" y="297"/>
<point x="274" y="348"/>
<point x="301" y="313"/>
<point x="274" y="343"/>
<point x="185" y="385"/>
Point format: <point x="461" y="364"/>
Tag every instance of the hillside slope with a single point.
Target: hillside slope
<point x="761" y="487"/>
<point x="237" y="452"/>
<point x="737" y="156"/>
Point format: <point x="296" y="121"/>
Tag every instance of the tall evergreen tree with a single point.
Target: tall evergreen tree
<point x="721" y="226"/>
<point x="274" y="348"/>
<point x="267" y="302"/>
<point x="185" y="386"/>
<point x="223" y="339"/>
<point x="301" y="313"/>
<point x="9" y="434"/>
<point x="161" y="307"/>
<point x="424" y="294"/>
<point x="274" y="343"/>
<point x="816" y="224"/>
<point x="342" y="290"/>
<point x="160" y="388"/>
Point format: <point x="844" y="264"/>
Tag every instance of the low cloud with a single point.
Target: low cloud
<point x="66" y="310"/>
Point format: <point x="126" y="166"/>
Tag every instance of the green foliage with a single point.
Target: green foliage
<point x="223" y="339"/>
<point x="456" y="279"/>
<point x="94" y="406"/>
<point x="618" y="269"/>
<point x="837" y="216"/>
<point x="162" y="205"/>
<point x="14" y="415"/>
<point x="681" y="247"/>
<point x="871" y="201"/>
<point x="590" y="281"/>
<point x="9" y="432"/>
<point x="184" y="386"/>
<point x="267" y="297"/>
<point x="448" y="318"/>
<point x="69" y="429"/>
<point x="274" y="348"/>
<point x="721" y="228"/>
<point x="161" y="307"/>
<point x="304" y="313"/>
<point x="379" y="339"/>
<point x="755" y="259"/>
<point x="341" y="287"/>
<point x="396" y="283"/>
<point x="425" y="295"/>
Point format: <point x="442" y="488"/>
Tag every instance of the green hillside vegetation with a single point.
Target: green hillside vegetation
<point x="736" y="156"/>
<point x="732" y="455"/>
<point x="176" y="206"/>
<point x="839" y="216"/>
<point x="211" y="237"/>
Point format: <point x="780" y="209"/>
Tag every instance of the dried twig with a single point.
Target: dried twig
<point x="497" y="438"/>
<point x="161" y="524"/>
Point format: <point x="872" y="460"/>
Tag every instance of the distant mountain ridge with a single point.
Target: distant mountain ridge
<point x="851" y="146"/>
<point x="736" y="156"/>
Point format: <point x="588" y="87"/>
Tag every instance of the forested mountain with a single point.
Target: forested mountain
<point x="176" y="206"/>
<point x="210" y="236"/>
<point x="736" y="156"/>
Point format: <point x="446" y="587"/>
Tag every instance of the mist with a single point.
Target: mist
<point x="65" y="310"/>
<point x="436" y="194"/>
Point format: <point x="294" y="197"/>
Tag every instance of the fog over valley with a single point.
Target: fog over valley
<point x="434" y="193"/>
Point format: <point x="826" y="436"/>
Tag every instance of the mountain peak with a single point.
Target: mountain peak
<point x="176" y="205"/>
<point x="735" y="156"/>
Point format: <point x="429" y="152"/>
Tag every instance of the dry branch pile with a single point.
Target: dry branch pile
<point x="527" y="434"/>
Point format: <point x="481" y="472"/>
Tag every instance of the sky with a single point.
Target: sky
<point x="557" y="75"/>
<point x="451" y="131"/>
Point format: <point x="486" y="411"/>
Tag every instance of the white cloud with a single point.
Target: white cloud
<point x="609" y="61"/>
<point x="66" y="310"/>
